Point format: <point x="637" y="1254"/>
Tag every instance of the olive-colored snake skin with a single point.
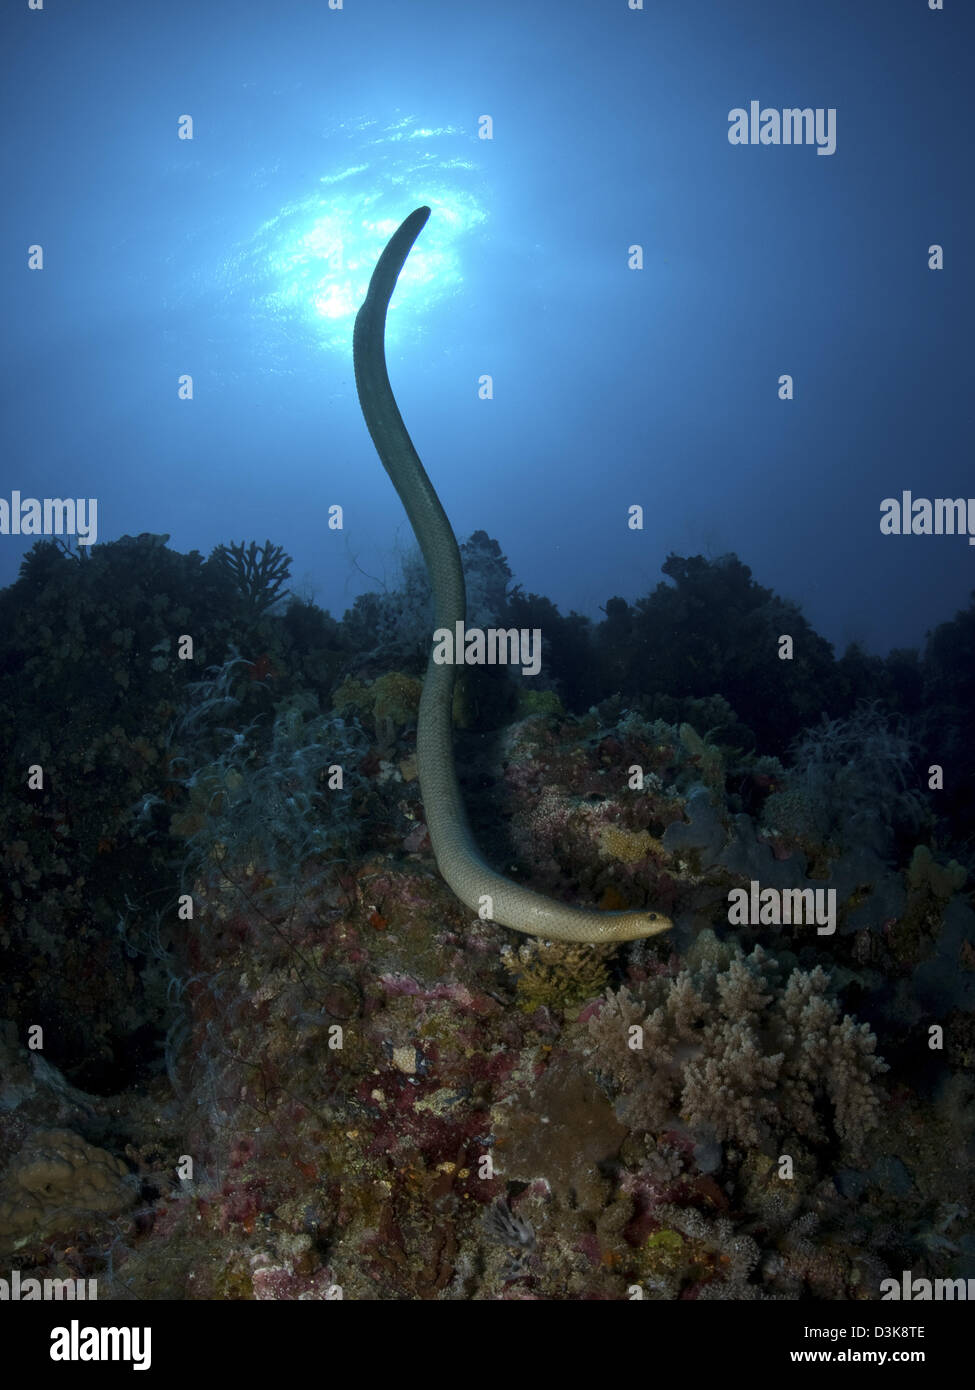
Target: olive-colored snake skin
<point x="459" y="860"/>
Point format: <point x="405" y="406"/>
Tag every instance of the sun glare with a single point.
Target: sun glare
<point x="320" y="269"/>
<point x="306" y="268"/>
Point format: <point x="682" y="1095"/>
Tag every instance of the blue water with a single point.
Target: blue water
<point x="239" y="257"/>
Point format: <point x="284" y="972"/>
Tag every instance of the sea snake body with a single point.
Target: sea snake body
<point x="458" y="858"/>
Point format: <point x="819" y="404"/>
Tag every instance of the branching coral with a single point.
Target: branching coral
<point x="259" y="571"/>
<point x="727" y="1049"/>
<point x="693" y="1248"/>
<point x="557" y="974"/>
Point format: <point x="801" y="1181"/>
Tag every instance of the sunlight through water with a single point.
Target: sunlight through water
<point x="306" y="268"/>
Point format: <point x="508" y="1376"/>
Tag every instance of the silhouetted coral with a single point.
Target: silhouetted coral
<point x="258" y="571"/>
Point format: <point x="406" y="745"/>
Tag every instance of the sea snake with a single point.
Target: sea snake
<point x="459" y="860"/>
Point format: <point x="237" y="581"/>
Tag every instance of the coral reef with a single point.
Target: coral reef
<point x="392" y="630"/>
<point x="938" y="881"/>
<point x="728" y="1049"/>
<point x="60" y="1183"/>
<point x="275" y="798"/>
<point x="388" y="705"/>
<point x="559" y="1130"/>
<point x="380" y="1094"/>
<point x="853" y="783"/>
<point x="259" y="572"/>
<point x="690" y="1248"/>
<point x="557" y="974"/>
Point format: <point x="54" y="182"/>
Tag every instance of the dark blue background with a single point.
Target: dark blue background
<point x="611" y="386"/>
